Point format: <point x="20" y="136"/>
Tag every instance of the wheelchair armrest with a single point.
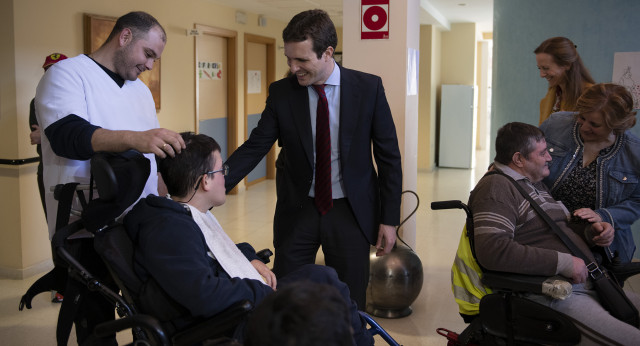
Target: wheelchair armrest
<point x="146" y="322"/>
<point x="264" y="255"/>
<point x="214" y="326"/>
<point x="513" y="282"/>
<point x="624" y="271"/>
<point x="61" y="235"/>
<point x="555" y="287"/>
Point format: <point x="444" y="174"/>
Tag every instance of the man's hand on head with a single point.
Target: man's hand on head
<point x="161" y="142"/>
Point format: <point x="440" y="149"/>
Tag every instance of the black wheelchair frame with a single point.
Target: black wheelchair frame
<point x="112" y="244"/>
<point x="506" y="318"/>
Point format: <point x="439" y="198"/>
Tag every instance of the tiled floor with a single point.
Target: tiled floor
<point x="248" y="217"/>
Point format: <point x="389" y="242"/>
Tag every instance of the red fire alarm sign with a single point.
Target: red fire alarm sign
<point x="374" y="22"/>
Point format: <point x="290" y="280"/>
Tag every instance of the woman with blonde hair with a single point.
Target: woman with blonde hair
<point x="560" y="64"/>
<point x="595" y="170"/>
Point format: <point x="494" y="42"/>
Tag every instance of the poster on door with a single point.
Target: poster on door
<point x="209" y="70"/>
<point x="374" y="19"/>
<point x="254" y="81"/>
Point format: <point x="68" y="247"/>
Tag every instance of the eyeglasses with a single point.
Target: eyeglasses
<point x="224" y="170"/>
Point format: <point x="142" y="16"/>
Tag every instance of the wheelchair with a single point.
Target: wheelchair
<point x="119" y="179"/>
<point x="508" y="319"/>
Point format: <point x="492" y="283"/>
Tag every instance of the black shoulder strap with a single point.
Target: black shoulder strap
<point x="64" y="195"/>
<point x="591" y="266"/>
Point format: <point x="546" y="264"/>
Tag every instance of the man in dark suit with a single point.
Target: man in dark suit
<point x="329" y="193"/>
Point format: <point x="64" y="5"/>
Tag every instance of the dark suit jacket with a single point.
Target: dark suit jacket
<point x="365" y="123"/>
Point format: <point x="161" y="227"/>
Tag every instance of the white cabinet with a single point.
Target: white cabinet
<point x="457" y="126"/>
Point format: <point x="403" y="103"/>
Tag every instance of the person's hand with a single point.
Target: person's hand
<point x="161" y="142"/>
<point x="587" y="215"/>
<point x="35" y="135"/>
<point x="579" y="271"/>
<point x="266" y="273"/>
<point x="386" y="239"/>
<point x="603" y="233"/>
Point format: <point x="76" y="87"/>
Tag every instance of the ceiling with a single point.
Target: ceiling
<point x="441" y="13"/>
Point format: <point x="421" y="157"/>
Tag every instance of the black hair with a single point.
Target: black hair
<point x="181" y="173"/>
<point x="139" y="23"/>
<point x="315" y="25"/>
<point x="302" y="313"/>
<point x="516" y="137"/>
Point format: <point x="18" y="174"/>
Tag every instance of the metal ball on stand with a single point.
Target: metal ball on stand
<point x="395" y="280"/>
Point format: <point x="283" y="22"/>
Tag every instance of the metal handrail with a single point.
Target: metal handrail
<point x="17" y="162"/>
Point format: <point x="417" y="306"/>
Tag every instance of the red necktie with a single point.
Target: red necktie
<point x="323" y="198"/>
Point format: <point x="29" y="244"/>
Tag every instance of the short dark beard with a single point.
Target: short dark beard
<point x="120" y="60"/>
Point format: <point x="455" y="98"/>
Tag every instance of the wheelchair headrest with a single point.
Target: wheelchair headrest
<point x="120" y="179"/>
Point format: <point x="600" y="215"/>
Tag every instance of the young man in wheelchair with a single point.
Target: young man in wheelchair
<point x="510" y="236"/>
<point x="181" y="250"/>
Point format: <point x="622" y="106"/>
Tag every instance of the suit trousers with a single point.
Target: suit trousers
<point x="345" y="247"/>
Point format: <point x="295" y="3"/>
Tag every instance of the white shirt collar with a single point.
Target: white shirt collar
<point x="334" y="78"/>
<point x="509" y="171"/>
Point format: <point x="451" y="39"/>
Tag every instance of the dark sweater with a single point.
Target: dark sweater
<point x="511" y="237"/>
<point x="170" y="249"/>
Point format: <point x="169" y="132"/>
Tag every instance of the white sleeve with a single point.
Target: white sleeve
<point x="59" y="93"/>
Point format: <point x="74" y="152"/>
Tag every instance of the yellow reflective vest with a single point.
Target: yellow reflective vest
<point x="466" y="278"/>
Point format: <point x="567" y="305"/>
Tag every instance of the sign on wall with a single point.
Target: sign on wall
<point x="374" y="19"/>
<point x="626" y="72"/>
<point x="209" y="70"/>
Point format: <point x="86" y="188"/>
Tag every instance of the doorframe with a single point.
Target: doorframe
<point x="232" y="85"/>
<point x="271" y="75"/>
